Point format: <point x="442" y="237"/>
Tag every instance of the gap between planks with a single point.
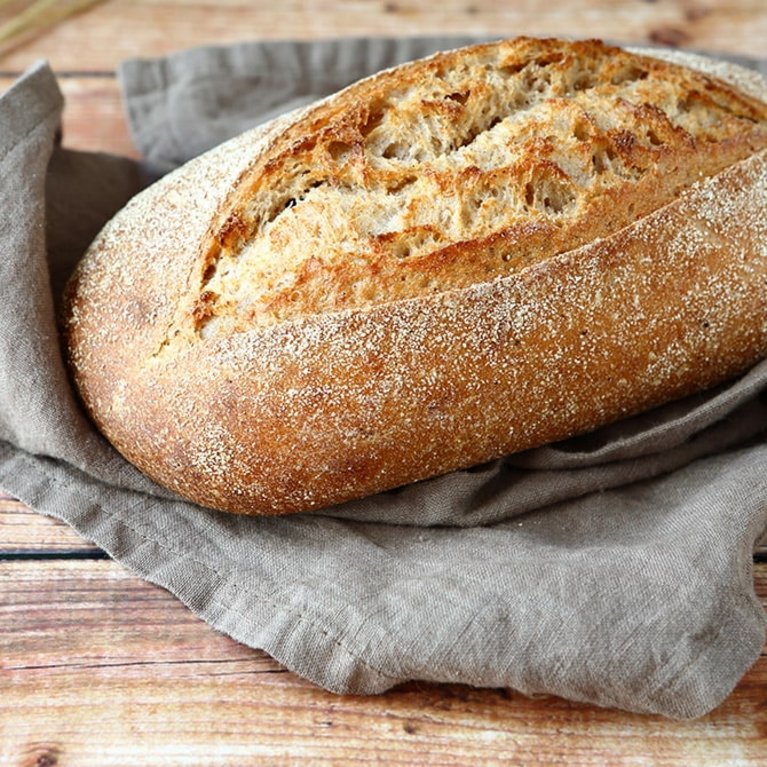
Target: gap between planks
<point x="120" y="29"/>
<point x="85" y="641"/>
<point x="27" y="533"/>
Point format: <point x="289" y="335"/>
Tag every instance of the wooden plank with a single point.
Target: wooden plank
<point x="100" y="668"/>
<point x="25" y="531"/>
<point x="155" y="27"/>
<point x="93" y="117"/>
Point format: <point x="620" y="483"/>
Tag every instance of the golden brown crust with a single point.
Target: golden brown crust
<point x="451" y="171"/>
<point x="331" y="405"/>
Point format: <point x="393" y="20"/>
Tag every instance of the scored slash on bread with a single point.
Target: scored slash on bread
<point x="453" y="171"/>
<point x="461" y="257"/>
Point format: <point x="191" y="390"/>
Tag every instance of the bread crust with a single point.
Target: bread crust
<point x="332" y="405"/>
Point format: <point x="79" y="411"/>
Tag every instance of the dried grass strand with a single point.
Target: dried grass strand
<point x="40" y="15"/>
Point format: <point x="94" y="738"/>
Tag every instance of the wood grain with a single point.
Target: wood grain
<point x="93" y="118"/>
<point x="100" y="668"/>
<point x="24" y="531"/>
<point x="119" y="29"/>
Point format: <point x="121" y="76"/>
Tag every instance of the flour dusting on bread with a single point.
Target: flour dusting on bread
<point x="590" y="252"/>
<point x="460" y="170"/>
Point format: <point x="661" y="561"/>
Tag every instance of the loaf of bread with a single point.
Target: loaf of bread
<point x="462" y="257"/>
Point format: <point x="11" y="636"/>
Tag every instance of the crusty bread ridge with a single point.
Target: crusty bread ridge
<point x="466" y="256"/>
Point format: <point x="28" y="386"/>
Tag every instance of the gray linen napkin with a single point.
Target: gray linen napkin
<point x="614" y="568"/>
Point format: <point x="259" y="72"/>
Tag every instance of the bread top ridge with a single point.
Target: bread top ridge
<point x="439" y="174"/>
<point x="456" y="170"/>
<point x="217" y="416"/>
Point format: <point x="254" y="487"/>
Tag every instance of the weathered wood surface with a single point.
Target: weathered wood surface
<point x="23" y="531"/>
<point x="93" y="116"/>
<point x="100" y="668"/>
<point x="120" y="29"/>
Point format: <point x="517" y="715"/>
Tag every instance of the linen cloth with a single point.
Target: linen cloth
<point x="613" y="568"/>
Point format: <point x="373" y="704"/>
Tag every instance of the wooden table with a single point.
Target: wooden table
<point x="100" y="668"/>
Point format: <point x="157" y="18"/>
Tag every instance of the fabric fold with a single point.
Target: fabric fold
<point x="614" y="568"/>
